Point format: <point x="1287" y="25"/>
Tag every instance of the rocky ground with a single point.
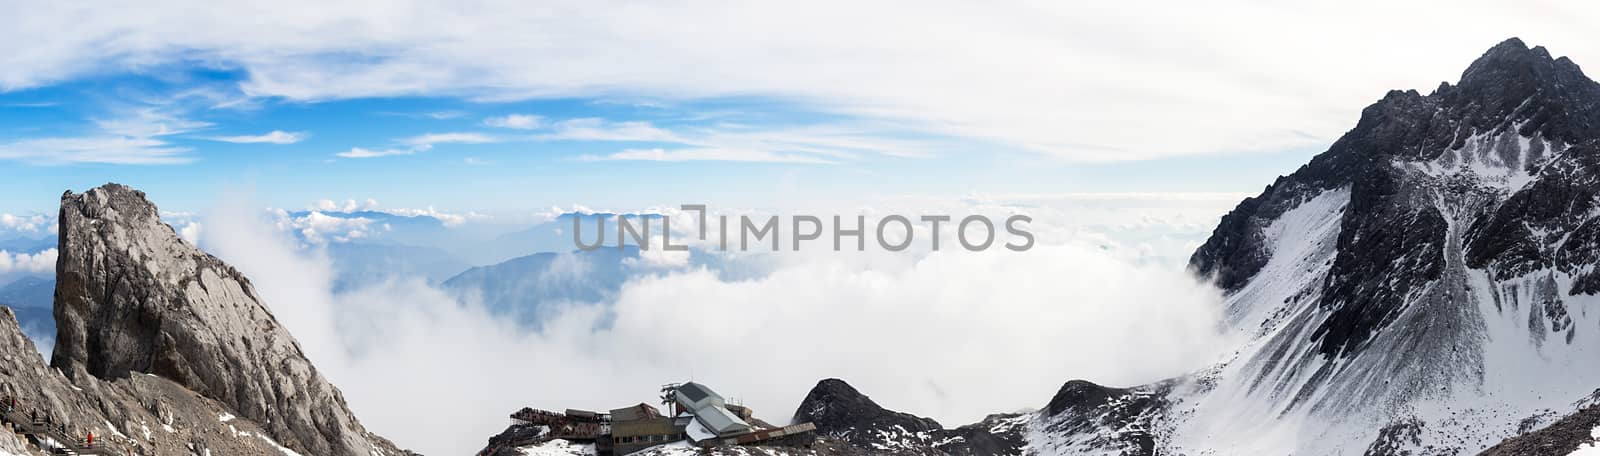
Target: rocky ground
<point x="1563" y="437"/>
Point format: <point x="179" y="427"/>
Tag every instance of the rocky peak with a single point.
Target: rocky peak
<point x="841" y="412"/>
<point x="837" y="408"/>
<point x="1513" y="85"/>
<point x="1512" y="89"/>
<point x="133" y="297"/>
<point x="1104" y="418"/>
<point x="1512" y="60"/>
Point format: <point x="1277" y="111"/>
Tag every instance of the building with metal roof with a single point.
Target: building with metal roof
<point x="709" y="409"/>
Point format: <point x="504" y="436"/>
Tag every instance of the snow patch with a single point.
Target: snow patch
<point x="1591" y="448"/>
<point x="1505" y="160"/>
<point x="558" y="447"/>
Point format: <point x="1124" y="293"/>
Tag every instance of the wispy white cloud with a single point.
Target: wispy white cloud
<point x="596" y="129"/>
<point x="134" y="136"/>
<point x="443" y="115"/>
<point x="149" y="122"/>
<point x="419" y="143"/>
<point x="705" y="154"/>
<point x="430" y="139"/>
<point x="272" y="137"/>
<point x="517" y="121"/>
<point x="728" y="142"/>
<point x="357" y="152"/>
<point x="95" y="149"/>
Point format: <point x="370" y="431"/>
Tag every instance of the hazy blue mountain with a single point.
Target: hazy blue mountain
<point x="26" y="244"/>
<point x="29" y="291"/>
<point x="555" y="236"/>
<point x="33" y="298"/>
<point x="525" y="287"/>
<point x="358" y="264"/>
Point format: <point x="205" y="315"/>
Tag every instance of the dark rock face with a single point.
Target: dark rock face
<point x="1393" y="235"/>
<point x="506" y="442"/>
<point x="1396" y="439"/>
<point x="1509" y="243"/>
<point x="132" y="297"/>
<point x="840" y="411"/>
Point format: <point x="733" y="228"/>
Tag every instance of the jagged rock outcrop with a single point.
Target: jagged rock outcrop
<point x="1102" y="418"/>
<point x="133" y="298"/>
<point x="840" y="411"/>
<point x="135" y="415"/>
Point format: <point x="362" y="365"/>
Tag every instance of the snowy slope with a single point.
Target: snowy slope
<point x="1427" y="285"/>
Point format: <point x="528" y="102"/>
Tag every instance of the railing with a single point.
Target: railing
<point x="40" y="427"/>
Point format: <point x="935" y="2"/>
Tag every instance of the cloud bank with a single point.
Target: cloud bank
<point x="43" y="262"/>
<point x="931" y="334"/>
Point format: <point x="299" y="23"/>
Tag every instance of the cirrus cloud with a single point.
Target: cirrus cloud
<point x="516" y="121"/>
<point x="272" y="137"/>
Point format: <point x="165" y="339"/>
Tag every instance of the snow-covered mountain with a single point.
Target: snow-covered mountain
<point x="1427" y="284"/>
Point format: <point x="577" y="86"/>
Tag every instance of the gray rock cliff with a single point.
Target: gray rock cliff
<point x="134" y="298"/>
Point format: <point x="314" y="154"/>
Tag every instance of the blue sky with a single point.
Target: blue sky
<point x="207" y="139"/>
<point x="503" y="108"/>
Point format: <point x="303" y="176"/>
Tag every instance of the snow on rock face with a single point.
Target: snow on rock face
<point x="133" y="297"/>
<point x="1428" y="282"/>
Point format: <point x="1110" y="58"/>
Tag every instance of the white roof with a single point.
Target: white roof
<point x="707" y="407"/>
<point x="698" y="433"/>
<point x="720" y="420"/>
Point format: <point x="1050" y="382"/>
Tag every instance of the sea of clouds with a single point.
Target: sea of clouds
<point x="953" y="335"/>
